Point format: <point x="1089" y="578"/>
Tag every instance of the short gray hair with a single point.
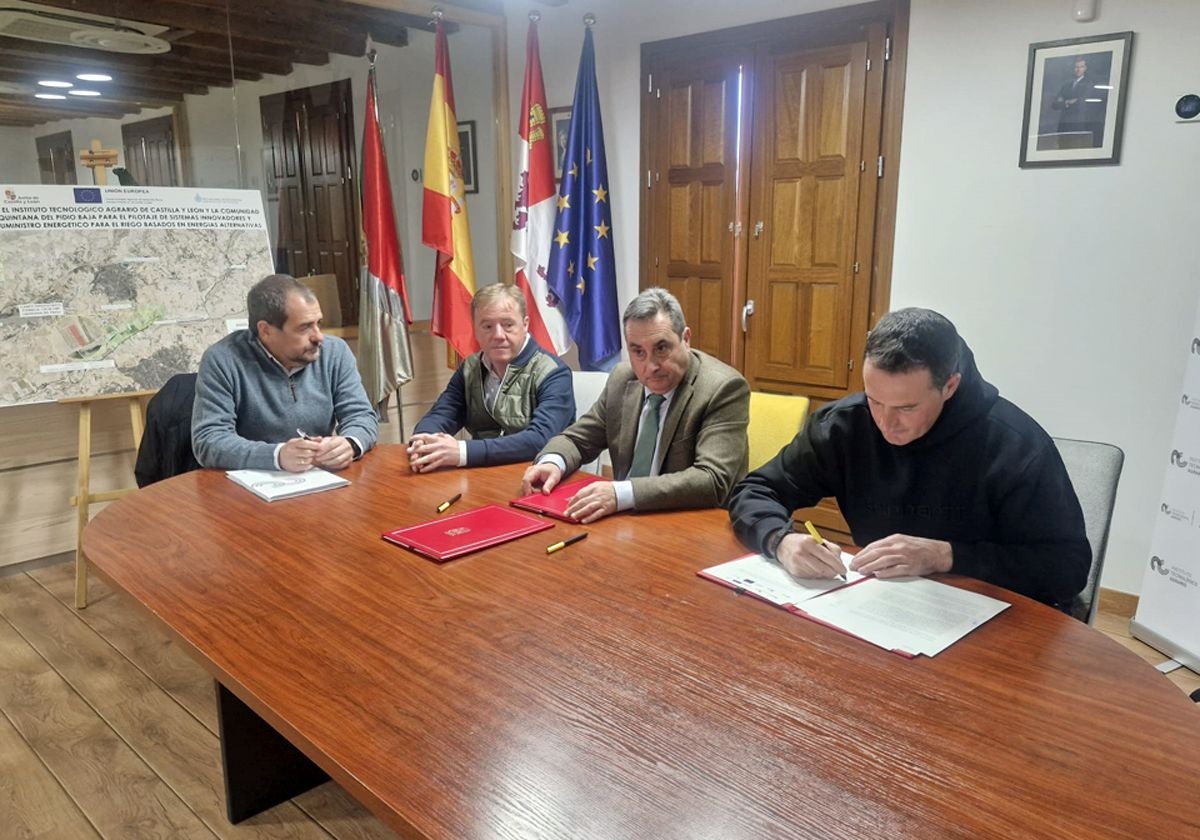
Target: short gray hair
<point x="650" y="303"/>
<point x="267" y="299"/>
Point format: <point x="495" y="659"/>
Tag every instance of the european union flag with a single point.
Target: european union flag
<point x="88" y="195"/>
<point x="582" y="272"/>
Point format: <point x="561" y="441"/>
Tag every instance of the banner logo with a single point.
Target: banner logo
<point x="1177" y="458"/>
<point x="88" y="195"/>
<point x="1157" y="565"/>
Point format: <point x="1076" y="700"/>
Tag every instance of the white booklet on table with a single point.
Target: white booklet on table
<point x="273" y="484"/>
<point x="908" y="616"/>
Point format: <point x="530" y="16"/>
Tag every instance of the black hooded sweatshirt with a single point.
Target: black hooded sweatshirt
<point x="986" y="478"/>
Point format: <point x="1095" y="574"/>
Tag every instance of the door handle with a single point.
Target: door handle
<point x="758" y="229"/>
<point x="747" y="311"/>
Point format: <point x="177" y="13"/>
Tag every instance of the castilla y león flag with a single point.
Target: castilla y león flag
<point x="533" y="216"/>
<point x="444" y="225"/>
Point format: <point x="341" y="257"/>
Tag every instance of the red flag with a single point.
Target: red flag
<point x="444" y="224"/>
<point x="384" y="355"/>
<point x="379" y="217"/>
<point x="533" y="216"/>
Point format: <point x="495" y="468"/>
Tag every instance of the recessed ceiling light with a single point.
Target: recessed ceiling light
<point x="84" y="92"/>
<point x="94" y="77"/>
<point x="48" y="96"/>
<point x="55" y="84"/>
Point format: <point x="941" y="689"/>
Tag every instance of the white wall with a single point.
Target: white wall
<point x="1076" y="287"/>
<point x="18" y="155"/>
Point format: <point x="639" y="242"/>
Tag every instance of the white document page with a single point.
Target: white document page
<point x="765" y="578"/>
<point x="272" y="484"/>
<point x="913" y="615"/>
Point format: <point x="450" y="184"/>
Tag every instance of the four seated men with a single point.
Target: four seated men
<point x="933" y="470"/>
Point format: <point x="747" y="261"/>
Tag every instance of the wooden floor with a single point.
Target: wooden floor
<point x="108" y="730"/>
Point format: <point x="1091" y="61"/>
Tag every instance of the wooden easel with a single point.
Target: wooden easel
<point x="98" y="159"/>
<point x="84" y="498"/>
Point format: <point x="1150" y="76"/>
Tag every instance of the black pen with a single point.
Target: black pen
<point x="559" y="546"/>
<point x="442" y="507"/>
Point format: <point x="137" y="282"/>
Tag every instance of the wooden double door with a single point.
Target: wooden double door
<point x="763" y="165"/>
<point x="309" y="164"/>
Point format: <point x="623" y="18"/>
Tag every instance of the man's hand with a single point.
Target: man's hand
<point x="333" y="452"/>
<point x="803" y="557"/>
<point x="595" y="501"/>
<point x="543" y="477"/>
<point x="297" y="454"/>
<point x="900" y="555"/>
<point x="431" y="452"/>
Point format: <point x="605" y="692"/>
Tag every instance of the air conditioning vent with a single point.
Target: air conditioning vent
<point x="78" y="33"/>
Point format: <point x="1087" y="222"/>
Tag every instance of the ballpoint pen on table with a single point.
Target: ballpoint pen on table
<point x="446" y="504"/>
<point x="559" y="546"/>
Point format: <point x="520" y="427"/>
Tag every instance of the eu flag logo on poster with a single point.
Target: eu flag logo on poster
<point x="582" y="273"/>
<point x="87" y="195"/>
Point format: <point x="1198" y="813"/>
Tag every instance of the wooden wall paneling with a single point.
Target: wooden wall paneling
<point x="39" y="521"/>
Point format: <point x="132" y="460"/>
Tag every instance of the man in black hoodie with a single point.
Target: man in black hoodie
<point x="933" y="470"/>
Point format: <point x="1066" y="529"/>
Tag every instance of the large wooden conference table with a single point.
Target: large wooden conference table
<point x="606" y="691"/>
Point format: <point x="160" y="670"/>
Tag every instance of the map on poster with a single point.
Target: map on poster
<point x="107" y="290"/>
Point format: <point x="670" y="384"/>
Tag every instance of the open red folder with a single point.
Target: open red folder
<point x="453" y="536"/>
<point x="554" y="503"/>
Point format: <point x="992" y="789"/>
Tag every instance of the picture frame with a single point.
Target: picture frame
<point x="470" y="158"/>
<point x="1075" y="101"/>
<point x="560" y="124"/>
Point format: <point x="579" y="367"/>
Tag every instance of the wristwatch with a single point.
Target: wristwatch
<point x="355" y="452"/>
<point x="775" y="538"/>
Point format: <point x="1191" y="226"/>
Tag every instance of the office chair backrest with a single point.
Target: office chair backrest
<point x="1094" y="469"/>
<point x="774" y="421"/>
<point x="589" y="385"/>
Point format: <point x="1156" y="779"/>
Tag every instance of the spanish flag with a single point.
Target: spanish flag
<point x="444" y="225"/>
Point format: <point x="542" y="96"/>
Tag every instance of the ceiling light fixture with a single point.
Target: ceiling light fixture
<point x="52" y="83"/>
<point x="84" y="92"/>
<point x="94" y="77"/>
<point x="48" y="96"/>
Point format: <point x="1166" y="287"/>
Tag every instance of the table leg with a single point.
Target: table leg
<point x="262" y="769"/>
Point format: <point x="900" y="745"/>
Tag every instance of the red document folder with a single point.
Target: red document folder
<point x="554" y="503"/>
<point x="453" y="536"/>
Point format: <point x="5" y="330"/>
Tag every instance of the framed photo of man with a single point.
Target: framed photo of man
<point x="1075" y="101"/>
<point x="560" y="124"/>
<point x="470" y="159"/>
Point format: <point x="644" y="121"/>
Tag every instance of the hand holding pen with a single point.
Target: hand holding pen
<point x="810" y="555"/>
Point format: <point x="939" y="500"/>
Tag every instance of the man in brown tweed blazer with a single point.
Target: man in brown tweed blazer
<point x="673" y="419"/>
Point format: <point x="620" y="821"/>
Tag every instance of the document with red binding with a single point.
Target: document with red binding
<point x="448" y="537"/>
<point x="554" y="503"/>
<point x="906" y="616"/>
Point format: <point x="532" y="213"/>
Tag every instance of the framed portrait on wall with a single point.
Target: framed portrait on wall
<point x="560" y="124"/>
<point x="470" y="162"/>
<point x="1075" y="101"/>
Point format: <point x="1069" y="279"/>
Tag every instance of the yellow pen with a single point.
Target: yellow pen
<point x="816" y="535"/>
<point x="444" y="505"/>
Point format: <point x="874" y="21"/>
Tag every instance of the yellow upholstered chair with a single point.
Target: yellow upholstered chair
<point x="774" y="421"/>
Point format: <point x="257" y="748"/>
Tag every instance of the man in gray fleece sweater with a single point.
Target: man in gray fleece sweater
<point x="280" y="395"/>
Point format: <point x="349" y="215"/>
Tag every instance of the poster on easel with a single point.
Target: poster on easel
<point x="107" y="290"/>
<point x="1169" y="604"/>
